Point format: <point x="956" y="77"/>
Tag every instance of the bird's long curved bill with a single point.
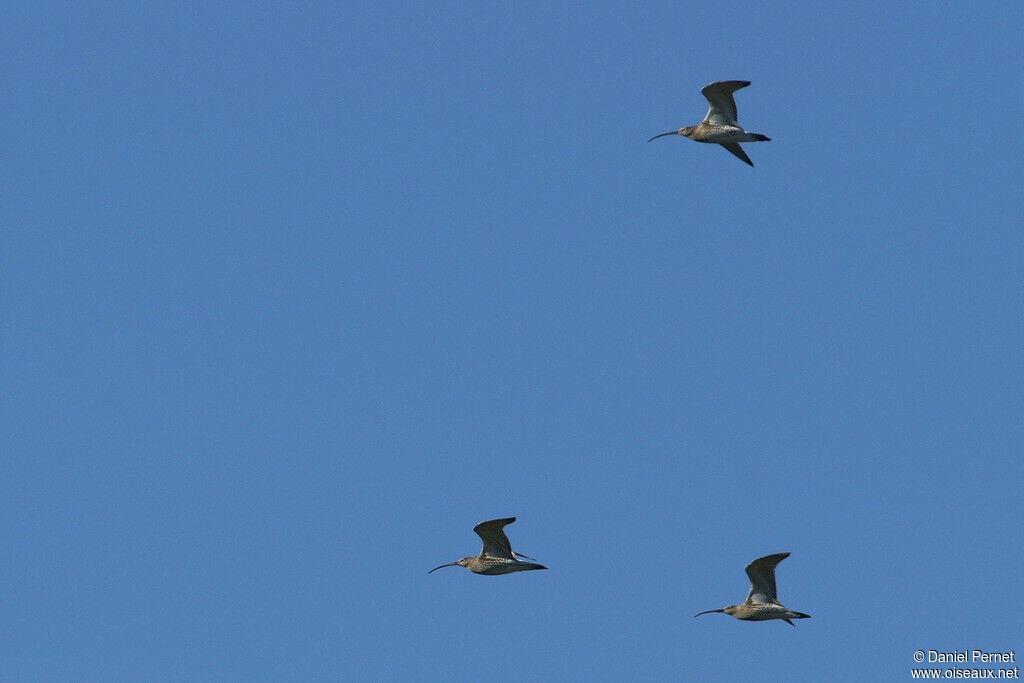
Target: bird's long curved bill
<point x="661" y="135"/>
<point x="450" y="564"/>
<point x="710" y="611"/>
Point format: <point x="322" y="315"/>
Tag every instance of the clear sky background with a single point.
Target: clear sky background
<point x="295" y="295"/>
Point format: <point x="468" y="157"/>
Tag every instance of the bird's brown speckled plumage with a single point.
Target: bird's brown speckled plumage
<point x="497" y="556"/>
<point x="762" y="602"/>
<point x="720" y="124"/>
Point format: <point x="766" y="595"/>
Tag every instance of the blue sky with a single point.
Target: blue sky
<point x="295" y="295"/>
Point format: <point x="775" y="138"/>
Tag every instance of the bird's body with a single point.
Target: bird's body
<point x="756" y="611"/>
<point x="497" y="556"/>
<point x="762" y="602"/>
<point x="720" y="124"/>
<point x="492" y="566"/>
<point x="719" y="134"/>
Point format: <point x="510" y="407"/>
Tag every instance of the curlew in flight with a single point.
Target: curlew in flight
<point x="497" y="556"/>
<point x="719" y="124"/>
<point x="761" y="603"/>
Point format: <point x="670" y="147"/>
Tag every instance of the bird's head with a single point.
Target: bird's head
<point x="464" y="562"/>
<point x="725" y="610"/>
<point x="683" y="132"/>
<point x="671" y="132"/>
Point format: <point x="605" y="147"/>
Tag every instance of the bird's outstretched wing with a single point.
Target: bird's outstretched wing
<point x="762" y="578"/>
<point x="722" y="109"/>
<point x="496" y="543"/>
<point x="734" y="148"/>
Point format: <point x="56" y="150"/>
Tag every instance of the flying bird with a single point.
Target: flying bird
<point x="497" y="556"/>
<point x="719" y="125"/>
<point x="762" y="603"/>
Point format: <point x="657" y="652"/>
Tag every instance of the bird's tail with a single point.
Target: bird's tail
<point x="761" y="138"/>
<point x="790" y="614"/>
